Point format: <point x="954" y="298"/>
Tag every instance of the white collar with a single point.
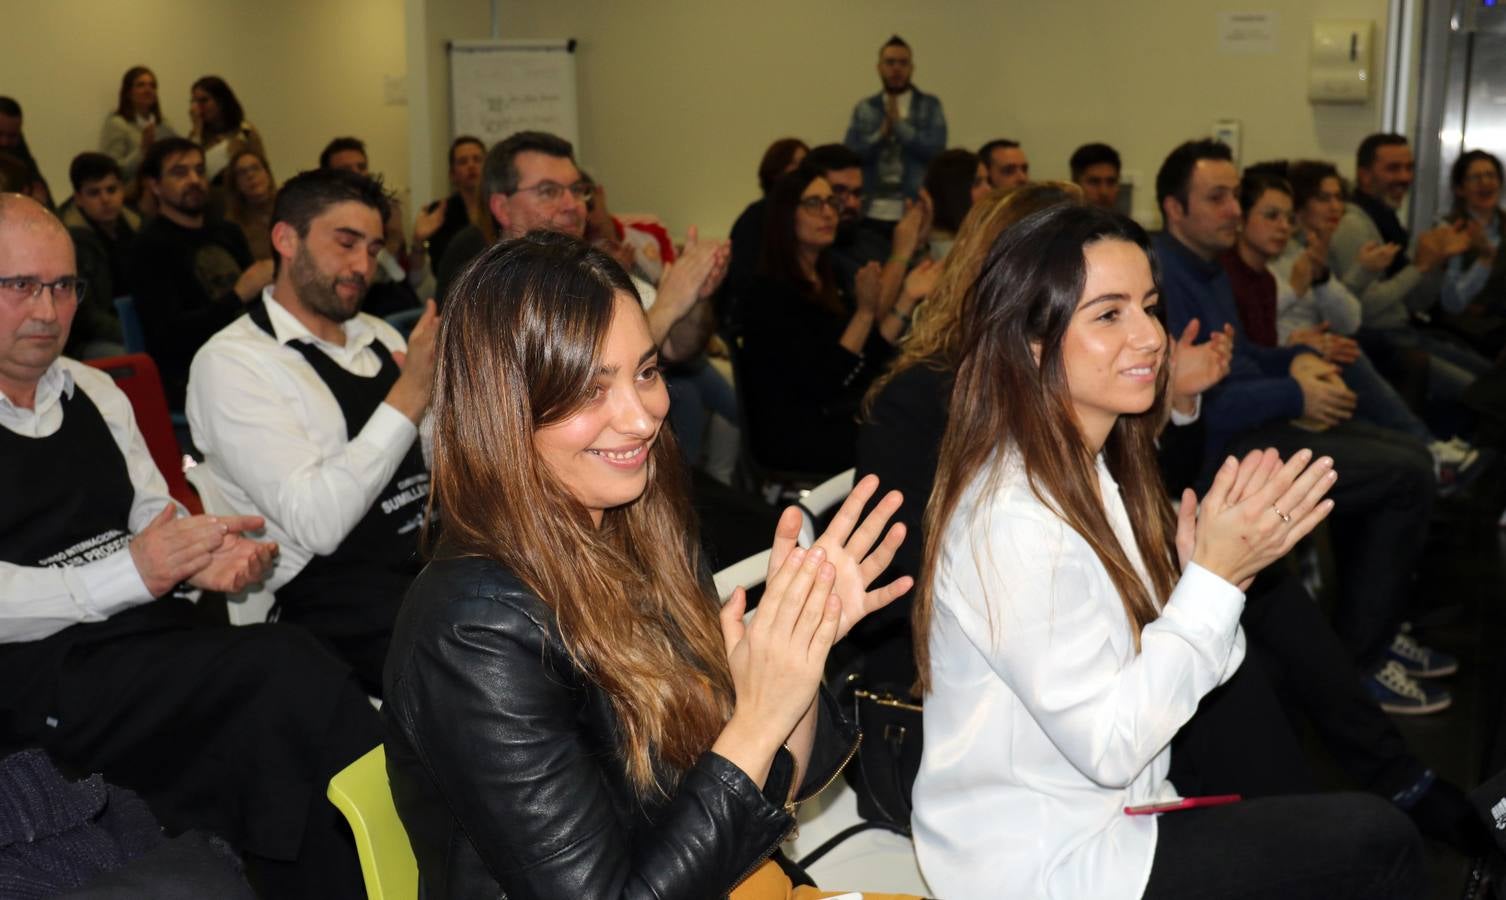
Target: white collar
<point x="286" y="328"/>
<point x="55" y="383"/>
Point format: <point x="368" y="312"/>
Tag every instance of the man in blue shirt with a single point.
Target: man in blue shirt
<point x="896" y="132"/>
<point x="1291" y="399"/>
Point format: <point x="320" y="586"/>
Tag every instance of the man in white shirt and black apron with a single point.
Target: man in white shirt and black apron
<point x="103" y="663"/>
<point x="307" y="411"/>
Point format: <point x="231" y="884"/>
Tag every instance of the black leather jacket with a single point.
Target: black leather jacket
<point x="503" y="761"/>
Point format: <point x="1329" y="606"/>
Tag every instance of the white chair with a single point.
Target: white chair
<point x="825" y="496"/>
<point x="813" y="504"/>
<point x="746" y="573"/>
<point x="252" y="605"/>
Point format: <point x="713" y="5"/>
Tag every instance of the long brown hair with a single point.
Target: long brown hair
<point x="518" y="349"/>
<point x="127" y="109"/>
<point x="1024" y="299"/>
<point x="934" y="335"/>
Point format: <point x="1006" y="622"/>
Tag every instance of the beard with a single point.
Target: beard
<point x="320" y="293"/>
<point x="190" y="202"/>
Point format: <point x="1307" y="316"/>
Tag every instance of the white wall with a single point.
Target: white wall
<point x="431" y="25"/>
<point x="304" y="71"/>
<point x="679" y="98"/>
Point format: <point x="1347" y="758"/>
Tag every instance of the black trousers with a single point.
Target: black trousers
<point x="1328" y="846"/>
<point x="1383" y="498"/>
<point x="235" y="731"/>
<point x="1241" y="740"/>
<point x="351" y="610"/>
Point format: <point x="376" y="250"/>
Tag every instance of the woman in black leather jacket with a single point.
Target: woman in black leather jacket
<point x="566" y="714"/>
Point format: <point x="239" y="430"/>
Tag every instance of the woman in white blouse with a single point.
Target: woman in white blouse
<point x="1069" y="622"/>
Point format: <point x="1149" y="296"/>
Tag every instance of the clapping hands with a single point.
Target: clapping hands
<point x="1256" y="510"/>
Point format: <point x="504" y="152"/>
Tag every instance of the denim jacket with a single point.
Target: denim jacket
<point x="921" y="135"/>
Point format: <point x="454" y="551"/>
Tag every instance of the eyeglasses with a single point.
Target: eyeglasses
<point x="550" y="191"/>
<point x="16" y="288"/>
<point x="1482" y="178"/>
<point x="814" y="204"/>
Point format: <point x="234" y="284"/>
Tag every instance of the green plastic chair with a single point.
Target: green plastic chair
<point x="363" y="796"/>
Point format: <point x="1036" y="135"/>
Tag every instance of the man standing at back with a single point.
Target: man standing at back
<point x="307" y="411"/>
<point x="896" y="132"/>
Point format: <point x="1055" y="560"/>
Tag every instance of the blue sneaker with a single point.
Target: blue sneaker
<point x="1420" y="661"/>
<point x="1398" y="693"/>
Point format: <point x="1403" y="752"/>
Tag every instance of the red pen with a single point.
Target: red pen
<point x="1150" y="809"/>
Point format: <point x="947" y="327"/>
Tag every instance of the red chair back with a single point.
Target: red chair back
<point x="136" y="375"/>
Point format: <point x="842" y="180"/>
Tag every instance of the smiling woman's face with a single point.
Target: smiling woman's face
<point x="1114" y="346"/>
<point x="601" y="451"/>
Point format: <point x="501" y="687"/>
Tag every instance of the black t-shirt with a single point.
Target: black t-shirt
<point x="183" y="280"/>
<point x="800" y="386"/>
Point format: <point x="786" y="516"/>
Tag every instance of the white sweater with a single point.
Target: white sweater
<point x="1043" y="722"/>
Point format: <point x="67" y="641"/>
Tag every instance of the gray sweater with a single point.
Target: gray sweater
<point x="1385" y="302"/>
<point x="121" y="140"/>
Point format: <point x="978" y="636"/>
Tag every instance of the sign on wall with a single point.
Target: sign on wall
<point x="501" y="87"/>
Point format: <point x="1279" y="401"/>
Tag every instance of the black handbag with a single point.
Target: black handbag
<point x="888" y="759"/>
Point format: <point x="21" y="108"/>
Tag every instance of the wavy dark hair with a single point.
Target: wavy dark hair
<point x="1255" y="182"/>
<point x="232" y="115"/>
<point x="125" y="108"/>
<point x="518" y="349"/>
<point x="1307" y="177"/>
<point x="1460" y="169"/>
<point x="1012" y="392"/>
<point x="776" y="159"/>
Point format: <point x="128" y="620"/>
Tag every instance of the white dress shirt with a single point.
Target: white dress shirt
<point x="1043" y="722"/>
<point x="274" y="438"/>
<point x="38" y="602"/>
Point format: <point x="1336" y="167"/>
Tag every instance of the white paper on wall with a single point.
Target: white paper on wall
<point x="500" y="87"/>
<point x="1247" y="32"/>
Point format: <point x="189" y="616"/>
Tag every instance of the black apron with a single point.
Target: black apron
<point x="350" y="597"/>
<point x="226" y="729"/>
<point x="67" y="502"/>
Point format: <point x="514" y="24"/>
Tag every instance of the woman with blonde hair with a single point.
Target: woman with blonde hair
<point x="567" y="714"/>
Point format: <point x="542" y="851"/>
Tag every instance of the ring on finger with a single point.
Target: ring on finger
<point x="1284" y="517"/>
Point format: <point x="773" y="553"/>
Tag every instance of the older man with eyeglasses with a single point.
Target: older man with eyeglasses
<point x="104" y="660"/>
<point x="530" y="182"/>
